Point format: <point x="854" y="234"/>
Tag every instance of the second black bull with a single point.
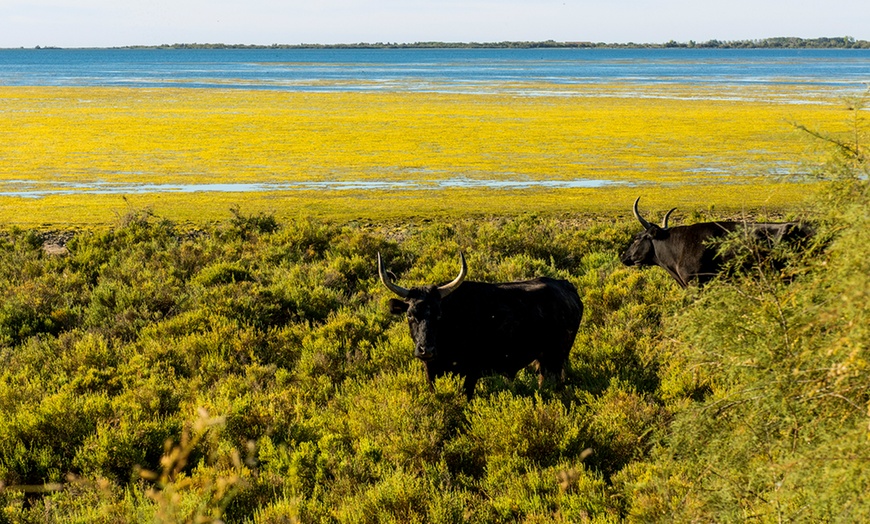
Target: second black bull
<point x="686" y="253"/>
<point x="474" y="329"/>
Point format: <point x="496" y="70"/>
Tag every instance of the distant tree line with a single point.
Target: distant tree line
<point x="840" y="42"/>
<point x="844" y="42"/>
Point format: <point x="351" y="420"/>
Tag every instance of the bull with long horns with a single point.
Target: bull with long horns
<point x="687" y="253"/>
<point x="474" y="329"/>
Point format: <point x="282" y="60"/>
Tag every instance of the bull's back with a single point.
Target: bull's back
<point x="782" y="231"/>
<point x="503" y="327"/>
<point x="528" y="302"/>
<point x="690" y="252"/>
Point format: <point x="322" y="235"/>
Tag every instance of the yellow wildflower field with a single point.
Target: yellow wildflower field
<point x="82" y="155"/>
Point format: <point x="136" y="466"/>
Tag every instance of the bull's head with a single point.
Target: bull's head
<point x="423" y="307"/>
<point x="641" y="251"/>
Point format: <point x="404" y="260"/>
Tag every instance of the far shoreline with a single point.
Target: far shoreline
<point x="845" y="42"/>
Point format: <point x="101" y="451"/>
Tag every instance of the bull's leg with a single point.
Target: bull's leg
<point x="553" y="369"/>
<point x="430" y="377"/>
<point x="554" y="375"/>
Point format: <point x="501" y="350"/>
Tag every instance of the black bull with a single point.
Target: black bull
<point x="686" y="253"/>
<point x="474" y="329"/>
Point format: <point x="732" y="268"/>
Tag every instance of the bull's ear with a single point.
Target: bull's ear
<point x="397" y="307"/>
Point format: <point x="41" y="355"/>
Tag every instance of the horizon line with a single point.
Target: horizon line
<point x="845" y="42"/>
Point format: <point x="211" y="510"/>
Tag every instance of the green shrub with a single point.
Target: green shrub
<point x="544" y="432"/>
<point x="302" y="239"/>
<point x="396" y="417"/>
<point x="621" y="426"/>
<point x="404" y="497"/>
<point x="245" y="226"/>
<point x="223" y="273"/>
<point x="119" y="451"/>
<point x="38" y="443"/>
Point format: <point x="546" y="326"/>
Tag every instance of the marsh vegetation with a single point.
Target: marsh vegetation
<point x="440" y="154"/>
<point x="250" y="371"/>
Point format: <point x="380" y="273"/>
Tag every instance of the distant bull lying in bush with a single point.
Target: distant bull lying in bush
<point x="686" y="253"/>
<point x="476" y="328"/>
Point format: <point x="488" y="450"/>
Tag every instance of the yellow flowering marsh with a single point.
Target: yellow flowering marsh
<point x="69" y="155"/>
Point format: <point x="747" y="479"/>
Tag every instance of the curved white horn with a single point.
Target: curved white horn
<point x="448" y="288"/>
<point x="385" y="278"/>
<point x="643" y="222"/>
<point x="665" y="220"/>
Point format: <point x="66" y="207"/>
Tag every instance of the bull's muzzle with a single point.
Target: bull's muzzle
<point x="628" y="260"/>
<point x="425" y="353"/>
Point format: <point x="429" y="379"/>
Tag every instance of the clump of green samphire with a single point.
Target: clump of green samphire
<point x="249" y="371"/>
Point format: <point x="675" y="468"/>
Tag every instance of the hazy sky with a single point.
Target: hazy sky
<point x="101" y="23"/>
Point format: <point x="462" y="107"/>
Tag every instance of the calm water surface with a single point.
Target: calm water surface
<point x="426" y="69"/>
<point x="34" y="189"/>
